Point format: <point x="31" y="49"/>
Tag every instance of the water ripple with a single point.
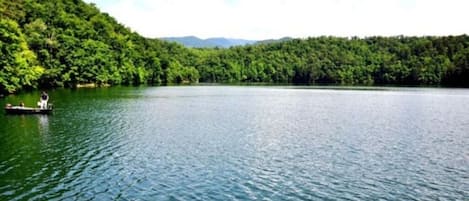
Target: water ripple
<point x="239" y="143"/>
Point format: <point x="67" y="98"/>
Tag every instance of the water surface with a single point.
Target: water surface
<point x="238" y="143"/>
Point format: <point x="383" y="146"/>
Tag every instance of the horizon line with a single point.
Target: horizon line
<point x="306" y="37"/>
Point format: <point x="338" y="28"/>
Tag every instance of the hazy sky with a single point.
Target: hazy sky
<point x="269" y="19"/>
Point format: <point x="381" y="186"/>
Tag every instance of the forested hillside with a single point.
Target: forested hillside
<point x="62" y="43"/>
<point x="373" y="60"/>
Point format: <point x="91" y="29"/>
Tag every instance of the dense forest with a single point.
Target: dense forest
<point x="63" y="43"/>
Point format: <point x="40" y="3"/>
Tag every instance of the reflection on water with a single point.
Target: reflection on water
<point x="43" y="124"/>
<point x="239" y="143"/>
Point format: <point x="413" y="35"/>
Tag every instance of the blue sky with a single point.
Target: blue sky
<point x="270" y="19"/>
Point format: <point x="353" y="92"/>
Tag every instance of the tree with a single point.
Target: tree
<point x="18" y="65"/>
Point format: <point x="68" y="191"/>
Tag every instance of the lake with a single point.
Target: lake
<point x="238" y="143"/>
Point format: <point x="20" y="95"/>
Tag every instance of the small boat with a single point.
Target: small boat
<point x="27" y="110"/>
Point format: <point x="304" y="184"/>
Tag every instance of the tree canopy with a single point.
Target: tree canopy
<point x="63" y="43"/>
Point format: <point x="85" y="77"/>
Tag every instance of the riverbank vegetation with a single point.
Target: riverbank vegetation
<point x="65" y="43"/>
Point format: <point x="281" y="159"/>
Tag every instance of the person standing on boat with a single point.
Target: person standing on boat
<point x="44" y="99"/>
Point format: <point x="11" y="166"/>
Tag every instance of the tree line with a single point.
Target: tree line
<point x="365" y="61"/>
<point x="63" y="43"/>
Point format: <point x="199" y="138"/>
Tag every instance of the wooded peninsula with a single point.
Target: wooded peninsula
<point x="63" y="43"/>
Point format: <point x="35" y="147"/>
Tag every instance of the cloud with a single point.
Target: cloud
<point x="263" y="19"/>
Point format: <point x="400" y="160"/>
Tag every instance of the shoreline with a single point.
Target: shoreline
<point x="248" y="84"/>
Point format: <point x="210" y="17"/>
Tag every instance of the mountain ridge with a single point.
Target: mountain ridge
<point x="196" y="42"/>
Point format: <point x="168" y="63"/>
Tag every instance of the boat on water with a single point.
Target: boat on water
<point x="27" y="110"/>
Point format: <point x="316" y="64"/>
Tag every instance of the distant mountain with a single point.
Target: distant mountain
<point x="274" y="40"/>
<point x="192" y="41"/>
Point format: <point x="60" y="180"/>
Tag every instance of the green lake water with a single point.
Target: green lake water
<point x="238" y="143"/>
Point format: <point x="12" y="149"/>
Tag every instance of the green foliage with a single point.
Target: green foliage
<point x="176" y="73"/>
<point x="65" y="43"/>
<point x="18" y="65"/>
<point x="374" y="60"/>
